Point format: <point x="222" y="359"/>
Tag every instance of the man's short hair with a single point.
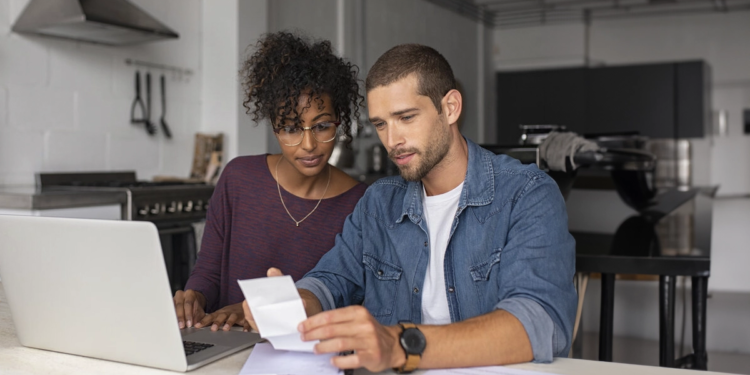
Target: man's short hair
<point x="434" y="74"/>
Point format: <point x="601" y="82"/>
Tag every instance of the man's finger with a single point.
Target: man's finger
<point x="338" y="330"/>
<point x="273" y="271"/>
<point x="340" y="344"/>
<point x="341" y="315"/>
<point x="351" y="361"/>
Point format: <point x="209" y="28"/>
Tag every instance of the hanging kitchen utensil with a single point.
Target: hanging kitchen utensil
<point x="164" y="126"/>
<point x="150" y="127"/>
<point x="137" y="102"/>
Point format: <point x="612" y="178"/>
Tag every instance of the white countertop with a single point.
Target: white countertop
<point x="16" y="359"/>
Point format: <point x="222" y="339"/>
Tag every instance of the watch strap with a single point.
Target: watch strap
<point x="412" y="360"/>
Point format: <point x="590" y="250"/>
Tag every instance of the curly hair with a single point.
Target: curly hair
<point x="286" y="65"/>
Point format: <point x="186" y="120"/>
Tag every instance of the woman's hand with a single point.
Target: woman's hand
<point x="225" y="318"/>
<point x="189" y="306"/>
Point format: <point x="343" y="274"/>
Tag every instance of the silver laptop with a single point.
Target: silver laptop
<point x="99" y="289"/>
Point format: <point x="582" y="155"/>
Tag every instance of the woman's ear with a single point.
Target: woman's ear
<point x="452" y="105"/>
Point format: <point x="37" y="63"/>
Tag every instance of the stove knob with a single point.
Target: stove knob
<point x="179" y="206"/>
<point x="156" y="209"/>
<point x="172" y="207"/>
<point x="143" y="211"/>
<point x="199" y="205"/>
<point x="188" y="206"/>
<point x="205" y="206"/>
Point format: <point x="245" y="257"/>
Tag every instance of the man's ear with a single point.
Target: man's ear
<point x="452" y="105"/>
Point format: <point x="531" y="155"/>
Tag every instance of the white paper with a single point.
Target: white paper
<point x="277" y="309"/>
<point x="265" y="360"/>
<point x="491" y="370"/>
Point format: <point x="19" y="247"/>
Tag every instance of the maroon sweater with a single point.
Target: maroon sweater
<point x="248" y="231"/>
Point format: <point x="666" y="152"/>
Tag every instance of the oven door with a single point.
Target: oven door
<point x="180" y="251"/>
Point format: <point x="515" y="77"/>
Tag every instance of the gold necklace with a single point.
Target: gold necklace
<point x="278" y="187"/>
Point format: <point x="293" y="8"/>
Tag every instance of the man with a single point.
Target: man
<point x="470" y="247"/>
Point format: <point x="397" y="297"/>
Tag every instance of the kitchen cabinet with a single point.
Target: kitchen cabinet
<point x="540" y="97"/>
<point x="631" y="98"/>
<point x="665" y="100"/>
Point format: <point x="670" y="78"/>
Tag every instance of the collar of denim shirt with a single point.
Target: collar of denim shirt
<point x="478" y="190"/>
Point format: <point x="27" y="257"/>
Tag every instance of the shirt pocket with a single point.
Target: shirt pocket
<point x="381" y="284"/>
<point x="481" y="274"/>
<point x="481" y="271"/>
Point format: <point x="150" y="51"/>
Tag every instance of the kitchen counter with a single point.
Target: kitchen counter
<point x="32" y="198"/>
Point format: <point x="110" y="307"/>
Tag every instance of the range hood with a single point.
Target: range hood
<point x="111" y="22"/>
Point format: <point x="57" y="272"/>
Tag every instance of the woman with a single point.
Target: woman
<point x="277" y="209"/>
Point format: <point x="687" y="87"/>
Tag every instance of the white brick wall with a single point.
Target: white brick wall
<point x="65" y="105"/>
<point x="74" y="151"/>
<point x="40" y="108"/>
<point x="3" y="107"/>
<point x="20" y="151"/>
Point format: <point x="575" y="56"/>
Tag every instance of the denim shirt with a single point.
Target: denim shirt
<point x="509" y="249"/>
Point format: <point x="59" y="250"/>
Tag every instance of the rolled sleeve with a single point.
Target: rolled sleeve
<point x="537" y="323"/>
<point x="320" y="290"/>
<point x="537" y="268"/>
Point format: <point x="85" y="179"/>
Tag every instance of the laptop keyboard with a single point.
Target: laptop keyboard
<point x="194" y="347"/>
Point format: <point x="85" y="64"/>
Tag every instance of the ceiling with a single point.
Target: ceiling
<point x="523" y="13"/>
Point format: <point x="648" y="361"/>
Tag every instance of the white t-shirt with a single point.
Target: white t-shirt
<point x="439" y="211"/>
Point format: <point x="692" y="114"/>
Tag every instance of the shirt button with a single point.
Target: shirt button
<point x="451" y="289"/>
<point x="416" y="290"/>
<point x="380" y="272"/>
<point x="425" y="243"/>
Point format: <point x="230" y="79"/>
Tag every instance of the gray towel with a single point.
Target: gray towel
<point x="557" y="146"/>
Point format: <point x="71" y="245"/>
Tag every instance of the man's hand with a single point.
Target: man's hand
<point x="189" y="306"/>
<point x="224" y="318"/>
<point x="376" y="347"/>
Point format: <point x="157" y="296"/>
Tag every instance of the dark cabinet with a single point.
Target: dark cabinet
<point x="540" y="97"/>
<point x="520" y="100"/>
<point x="692" y="99"/>
<point x="665" y="100"/>
<point x="631" y="98"/>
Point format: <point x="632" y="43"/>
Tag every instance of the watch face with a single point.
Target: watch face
<point x="413" y="342"/>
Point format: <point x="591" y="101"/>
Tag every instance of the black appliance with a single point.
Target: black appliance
<point x="618" y="163"/>
<point x="173" y="206"/>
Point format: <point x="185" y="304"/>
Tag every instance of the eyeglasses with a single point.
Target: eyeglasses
<point x="323" y="132"/>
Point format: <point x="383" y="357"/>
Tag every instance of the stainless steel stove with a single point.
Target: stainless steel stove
<point x="164" y="203"/>
<point x="174" y="207"/>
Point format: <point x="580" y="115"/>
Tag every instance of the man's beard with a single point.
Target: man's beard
<point x="438" y="147"/>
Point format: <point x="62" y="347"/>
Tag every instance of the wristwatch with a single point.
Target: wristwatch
<point x="413" y="342"/>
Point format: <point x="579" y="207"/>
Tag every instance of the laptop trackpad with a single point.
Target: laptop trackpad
<point x="222" y="341"/>
<point x="224" y="338"/>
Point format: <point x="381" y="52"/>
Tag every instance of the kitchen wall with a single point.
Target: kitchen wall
<point x="392" y="22"/>
<point x="362" y="30"/>
<point x="721" y="40"/>
<point x="65" y="105"/>
<point x="230" y="26"/>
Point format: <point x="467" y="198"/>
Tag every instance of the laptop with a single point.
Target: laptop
<point x="99" y="289"/>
